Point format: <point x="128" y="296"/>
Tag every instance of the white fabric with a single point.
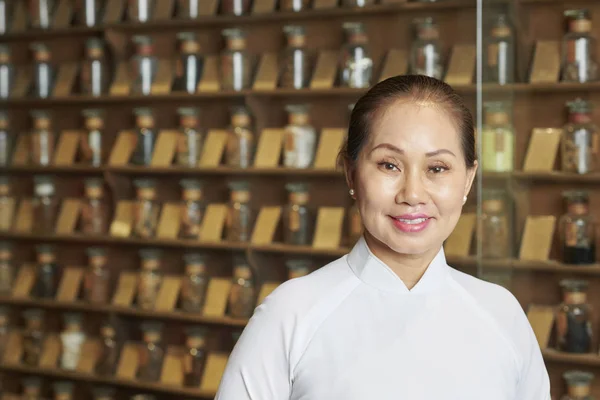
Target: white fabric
<point x="352" y="330"/>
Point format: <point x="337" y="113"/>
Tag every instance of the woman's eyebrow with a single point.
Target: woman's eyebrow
<point x="390" y="146"/>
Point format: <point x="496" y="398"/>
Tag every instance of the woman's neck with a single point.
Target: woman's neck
<point x="410" y="268"/>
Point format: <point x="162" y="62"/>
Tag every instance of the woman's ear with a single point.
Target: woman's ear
<point x="349" y="172"/>
<point x="471" y="173"/>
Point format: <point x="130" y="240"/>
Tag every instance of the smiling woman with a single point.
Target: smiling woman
<point x="391" y="320"/>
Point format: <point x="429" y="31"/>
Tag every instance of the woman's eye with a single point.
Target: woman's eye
<point x="438" y="169"/>
<point x="388" y="166"/>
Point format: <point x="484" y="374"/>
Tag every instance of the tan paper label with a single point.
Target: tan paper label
<point x="24" y="220"/>
<point x="164" y="150"/>
<point x="65" y="80"/>
<point x="210" y="75"/>
<point x="170" y="221"/>
<point x="172" y="369"/>
<point x="128" y="362"/>
<point x="541" y="319"/>
<point x="21" y="151"/>
<point x="267" y="74"/>
<point x="6" y="219"/>
<point x="213" y="371"/>
<point x="121" y="85"/>
<point x="163" y="10"/>
<point x="213" y="223"/>
<point x="537" y="237"/>
<point x="68" y="216"/>
<point x="50" y="352"/>
<point x="123" y="149"/>
<point x="126" y="289"/>
<point x="91" y="349"/>
<point x="461" y="68"/>
<point x="266" y="224"/>
<point x="19" y="23"/>
<point x="268" y="152"/>
<point x="121" y="225"/>
<point x="542" y="150"/>
<point x="207" y="8"/>
<point x="14" y="348"/>
<point x="212" y="151"/>
<point x="168" y="293"/>
<point x="114" y="11"/>
<point x="24" y="281"/>
<point x="546" y="62"/>
<point x="70" y="284"/>
<point x="68" y="143"/>
<point x="216" y="297"/>
<point x="164" y="77"/>
<point x="328" y="232"/>
<point x="396" y="63"/>
<point x="325" y="70"/>
<point x="459" y="242"/>
<point x="329" y="146"/>
<point x="22" y="82"/>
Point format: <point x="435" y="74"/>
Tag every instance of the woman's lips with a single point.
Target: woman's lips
<point x="411" y="223"/>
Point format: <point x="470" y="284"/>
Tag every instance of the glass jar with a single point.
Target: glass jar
<point x="296" y="62"/>
<point x="103" y="393"/>
<point x="239" y="217"/>
<point x="573" y="318"/>
<point x="94" y="211"/>
<point x="4" y="329"/>
<point x="33" y="337"/>
<point x="240" y="145"/>
<point x="144" y="65"/>
<point x="95" y="73"/>
<point x="195" y="283"/>
<point x="495" y="239"/>
<point x="7" y="269"/>
<point x="32" y="386"/>
<point x="579" y="143"/>
<point x="43" y="71"/>
<point x="355" y="226"/>
<point x="236" y="68"/>
<point x="500" y="53"/>
<point x="242" y="297"/>
<point x="91" y="145"/>
<point x="578" y="385"/>
<point x="72" y="339"/>
<point x="89" y="12"/>
<point x="192" y="210"/>
<point x="146" y="136"/>
<point x="41" y="13"/>
<point x="579" y="62"/>
<point x="300" y="138"/>
<point x="194" y="356"/>
<point x="47" y="272"/>
<point x="426" y="52"/>
<point x="357" y="3"/>
<point x="6" y="14"/>
<point x="150" y="278"/>
<point x="191" y="137"/>
<point x="295" y="5"/>
<point x="145" y="209"/>
<point x="188" y="9"/>
<point x="45" y="205"/>
<point x="140" y="10"/>
<point x="577" y="229"/>
<point x="97" y="277"/>
<point x="6" y="140"/>
<point x="236" y="7"/>
<point x="6" y="201"/>
<point x="357" y="64"/>
<point x="7" y="72"/>
<point x="63" y="390"/>
<point x="151" y="354"/>
<point x="298" y="220"/>
<point x="109" y="351"/>
<point x="298" y="268"/>
<point x="498" y="138"/>
<point x="190" y="63"/>
<point x="42" y="139"/>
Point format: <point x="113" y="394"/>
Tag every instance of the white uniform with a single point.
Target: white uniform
<point x="353" y="331"/>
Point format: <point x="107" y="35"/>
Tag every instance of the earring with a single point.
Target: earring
<point x="352" y="192"/>
<point x="464" y="199"/>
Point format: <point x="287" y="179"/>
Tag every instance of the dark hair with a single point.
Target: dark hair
<point x="419" y="88"/>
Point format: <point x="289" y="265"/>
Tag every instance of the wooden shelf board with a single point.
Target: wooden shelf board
<point x="590" y="360"/>
<point x="45" y="34"/>
<point x="285" y="248"/>
<point x="557" y="176"/>
<point x="89" y="378"/>
<point x="524" y="265"/>
<point x="175" y="170"/>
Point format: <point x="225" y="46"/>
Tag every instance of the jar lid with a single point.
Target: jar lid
<point x="150" y="254"/>
<point x="496" y="106"/>
<point x="240" y="110"/>
<point x="44" y="249"/>
<point x="93" y="183"/>
<point x="96" y="251"/>
<point x="33" y="314"/>
<point x="152" y="327"/>
<point x="191" y="184"/>
<point x="240" y="260"/>
<point x="353" y="27"/>
<point x="32" y="381"/>
<point x="196" y="332"/>
<point x="297" y="187"/>
<point x="4" y="49"/>
<point x="40" y="114"/>
<point x="145" y="183"/>
<point x="194" y="259"/>
<point x="574" y="285"/>
<point x="188" y="112"/>
<point x="242" y="272"/>
<point x="39" y="47"/>
<point x="103" y="392"/>
<point x="294" y="30"/>
<point x="239" y="186"/>
<point x="143" y="112"/>
<point x="574" y="377"/>
<point x="579" y="106"/>
<point x="63" y="387"/>
<point x="142" y="40"/>
<point x="581" y="13"/>
<point x="298" y="263"/>
<point x="94" y="43"/>
<point x="187" y="36"/>
<point x="576" y="196"/>
<point x="300" y="109"/>
<point x="233" y="33"/>
<point x="72" y="318"/>
<point x="93" y="113"/>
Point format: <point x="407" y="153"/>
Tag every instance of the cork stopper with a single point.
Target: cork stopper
<point x="298" y="268"/>
<point x="355" y="32"/>
<point x="145" y="189"/>
<point x="103" y="392"/>
<point x="579" y="383"/>
<point x="94" y="188"/>
<point x="296" y="35"/>
<point x="241" y="268"/>
<point x="108" y="331"/>
<point x="196" y="337"/>
<point x="94" y="48"/>
<point x="152" y="331"/>
<point x="144" y="119"/>
<point x="501" y="28"/>
<point x="94" y="118"/>
<point x="235" y="39"/>
<point x="496" y="113"/>
<point x="72" y="322"/>
<point x="195" y="263"/>
<point x="189" y="117"/>
<point x="577" y="201"/>
<point x="240" y="116"/>
<point x="188" y="43"/>
<point x="41" y="119"/>
<point x="45" y="253"/>
<point x="6" y="251"/>
<point x="41" y="52"/>
<point x="191" y="189"/>
<point x="298" y="114"/>
<point x="298" y="193"/>
<point x="426" y="28"/>
<point x="579" y="20"/>
<point x="493" y="201"/>
<point x="144" y="45"/>
<point x="150" y="259"/>
<point x="240" y="192"/>
<point x="574" y="291"/>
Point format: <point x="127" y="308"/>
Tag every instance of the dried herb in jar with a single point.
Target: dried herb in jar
<point x="4" y="329"/>
<point x="6" y="215"/>
<point x="192" y="210"/>
<point x="33" y="337"/>
<point x="190" y="138"/>
<point x="242" y="297"/>
<point x="145" y="209"/>
<point x="94" y="210"/>
<point x="6" y="141"/>
<point x="580" y="143"/>
<point x="144" y="65"/>
<point x="295" y="5"/>
<point x="46" y="281"/>
<point x="573" y="318"/>
<point x="97" y="277"/>
<point x="298" y="219"/>
<point x="296" y="61"/>
<point x="577" y="229"/>
<point x="95" y="75"/>
<point x="188" y="9"/>
<point x="43" y="71"/>
<point x="103" y="393"/>
<point x="190" y="63"/>
<point x="236" y="68"/>
<point x="7" y="268"/>
<point x="109" y="351"/>
<point x="41" y="139"/>
<point x="426" y="52"/>
<point x="300" y="138"/>
<point x="498" y="138"/>
<point x="195" y="283"/>
<point x="355" y="225"/>
<point x="235" y="7"/>
<point x="41" y="13"/>
<point x="140" y="10"/>
<point x="151" y="354"/>
<point x="495" y="238"/>
<point x="357" y="64"/>
<point x="194" y="357"/>
<point x="91" y="144"/>
<point x="239" y="216"/>
<point x="579" y="63"/>
<point x="239" y="150"/>
<point x="7" y="72"/>
<point x="578" y="385"/>
<point x="146" y="136"/>
<point x="150" y="278"/>
<point x="45" y="205"/>
<point x="298" y="268"/>
<point x="499" y="53"/>
<point x="72" y="339"/>
<point x="89" y="12"/>
<point x="63" y="390"/>
<point x="32" y="386"/>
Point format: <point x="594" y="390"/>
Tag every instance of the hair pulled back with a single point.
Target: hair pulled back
<point x="419" y="89"/>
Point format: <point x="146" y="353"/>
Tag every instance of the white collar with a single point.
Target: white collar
<point x="374" y="272"/>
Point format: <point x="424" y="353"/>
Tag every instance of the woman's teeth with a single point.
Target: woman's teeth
<point x="412" y="221"/>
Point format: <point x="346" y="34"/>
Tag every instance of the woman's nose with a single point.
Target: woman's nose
<point x="413" y="190"/>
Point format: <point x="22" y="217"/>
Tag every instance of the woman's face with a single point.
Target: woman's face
<point x="411" y="178"/>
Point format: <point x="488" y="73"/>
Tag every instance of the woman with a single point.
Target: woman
<point x="391" y="320"/>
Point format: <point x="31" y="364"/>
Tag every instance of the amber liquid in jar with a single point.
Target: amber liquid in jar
<point x="149" y="282"/>
<point x="239" y="216"/>
<point x="573" y="319"/>
<point x="97" y="278"/>
<point x="298" y="224"/>
<point x="109" y="352"/>
<point x="193" y="287"/>
<point x="192" y="211"/>
<point x="151" y="358"/>
<point x="94" y="210"/>
<point x="7" y="269"/>
<point x="239" y="149"/>
<point x="145" y="217"/>
<point x="242" y="296"/>
<point x="33" y="339"/>
<point x="193" y="361"/>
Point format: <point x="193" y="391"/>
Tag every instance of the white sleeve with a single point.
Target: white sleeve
<point x="259" y="368"/>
